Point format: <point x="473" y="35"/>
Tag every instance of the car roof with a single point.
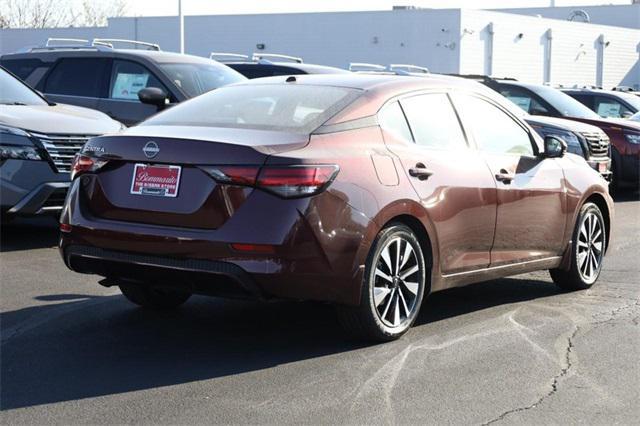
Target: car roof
<point x="151" y="55"/>
<point x="309" y="68"/>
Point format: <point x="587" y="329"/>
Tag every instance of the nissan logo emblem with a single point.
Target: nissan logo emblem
<point x="150" y="149"/>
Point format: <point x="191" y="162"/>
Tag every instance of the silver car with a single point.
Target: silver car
<point x="38" y="140"/>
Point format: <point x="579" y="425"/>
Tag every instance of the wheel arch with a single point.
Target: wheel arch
<point x="600" y="201"/>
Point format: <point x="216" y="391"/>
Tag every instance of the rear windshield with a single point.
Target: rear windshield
<point x="289" y="107"/>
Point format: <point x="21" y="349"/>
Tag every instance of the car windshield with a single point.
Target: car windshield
<point x="14" y="92"/>
<point x="632" y="100"/>
<point x="198" y="78"/>
<point x="564" y="103"/>
<point x="289" y="107"/>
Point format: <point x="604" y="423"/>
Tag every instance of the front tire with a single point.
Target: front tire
<point x="587" y="251"/>
<point x="393" y="287"/>
<point x="154" y="298"/>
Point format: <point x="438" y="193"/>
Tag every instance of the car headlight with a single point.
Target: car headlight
<point x="16" y="145"/>
<point x="633" y="138"/>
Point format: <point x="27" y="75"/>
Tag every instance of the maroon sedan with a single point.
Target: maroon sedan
<point x="366" y="191"/>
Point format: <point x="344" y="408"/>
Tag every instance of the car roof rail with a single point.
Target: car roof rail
<point x="56" y="40"/>
<point x="56" y="43"/>
<point x="408" y="69"/>
<point x="623" y="89"/>
<point x="227" y="57"/>
<point x="266" y="58"/>
<point x="364" y="66"/>
<point x="108" y="42"/>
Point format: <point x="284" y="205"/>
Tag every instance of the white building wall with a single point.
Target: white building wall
<point x="625" y="15"/>
<point x="574" y="49"/>
<point x="444" y="40"/>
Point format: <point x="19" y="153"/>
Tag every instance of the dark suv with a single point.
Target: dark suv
<point x="127" y="84"/>
<point x="538" y="99"/>
<point x="271" y="65"/>
<point x="607" y="103"/>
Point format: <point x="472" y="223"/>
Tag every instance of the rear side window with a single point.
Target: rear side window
<point x="284" y="107"/>
<point x="128" y="78"/>
<point x="493" y="130"/>
<point x="22" y="68"/>
<point x="433" y="121"/>
<point x="77" y="77"/>
<point x="392" y="120"/>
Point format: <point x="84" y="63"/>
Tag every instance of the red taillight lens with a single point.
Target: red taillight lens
<point x="286" y="181"/>
<point x="84" y="164"/>
<point x="65" y="227"/>
<point x="296" y="181"/>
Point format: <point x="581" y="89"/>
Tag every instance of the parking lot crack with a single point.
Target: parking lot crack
<point x="555" y="383"/>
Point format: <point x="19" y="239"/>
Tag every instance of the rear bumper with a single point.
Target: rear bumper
<point x="193" y="275"/>
<point x="315" y="257"/>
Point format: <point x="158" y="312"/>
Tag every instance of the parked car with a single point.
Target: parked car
<point x="579" y="137"/>
<point x="270" y="65"/>
<point x="366" y="191"/>
<point x="539" y="99"/>
<point x="38" y="141"/>
<point x="129" y="85"/>
<point x="607" y="103"/>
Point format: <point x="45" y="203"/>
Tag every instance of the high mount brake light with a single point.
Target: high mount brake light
<point x="285" y="181"/>
<point x="84" y="164"/>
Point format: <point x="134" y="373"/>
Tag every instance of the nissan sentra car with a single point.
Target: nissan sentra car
<point x="366" y="191"/>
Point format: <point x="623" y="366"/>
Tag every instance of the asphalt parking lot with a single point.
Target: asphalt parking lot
<point x="513" y="350"/>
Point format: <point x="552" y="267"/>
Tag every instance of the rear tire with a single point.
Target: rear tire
<point x="587" y="251"/>
<point x="393" y="287"/>
<point x="154" y="298"/>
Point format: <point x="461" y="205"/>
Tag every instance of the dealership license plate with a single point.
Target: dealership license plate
<point x="160" y="181"/>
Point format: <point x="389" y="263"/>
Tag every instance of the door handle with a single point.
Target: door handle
<point x="505" y="176"/>
<point x="420" y="171"/>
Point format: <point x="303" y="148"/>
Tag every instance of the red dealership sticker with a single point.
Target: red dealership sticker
<point x="161" y="181"/>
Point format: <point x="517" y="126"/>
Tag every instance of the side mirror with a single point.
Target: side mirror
<point x="627" y="114"/>
<point x="554" y="147"/>
<point x="153" y="96"/>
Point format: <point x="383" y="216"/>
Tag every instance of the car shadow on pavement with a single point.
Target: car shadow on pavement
<point x="87" y="346"/>
<point x="27" y="234"/>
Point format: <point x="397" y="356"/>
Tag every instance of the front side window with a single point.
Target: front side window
<point x="392" y="120"/>
<point x="128" y="78"/>
<point x="77" y="77"/>
<point x="493" y="130"/>
<point x="296" y="108"/>
<point x="433" y="121"/>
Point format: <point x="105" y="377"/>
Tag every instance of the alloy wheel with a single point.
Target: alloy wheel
<point x="590" y="248"/>
<point x="397" y="282"/>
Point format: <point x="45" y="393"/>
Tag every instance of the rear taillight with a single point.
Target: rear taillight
<point x="285" y="181"/>
<point x="84" y="164"/>
<point x="296" y="181"/>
